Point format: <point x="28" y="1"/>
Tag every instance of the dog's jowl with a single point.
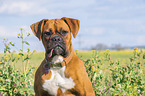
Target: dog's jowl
<point x="61" y="73"/>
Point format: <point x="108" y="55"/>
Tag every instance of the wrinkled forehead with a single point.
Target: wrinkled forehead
<point x="56" y="25"/>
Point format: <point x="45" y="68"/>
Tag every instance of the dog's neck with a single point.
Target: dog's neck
<point x="68" y="58"/>
<point x="65" y="61"/>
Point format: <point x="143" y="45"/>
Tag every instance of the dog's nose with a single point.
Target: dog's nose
<point x="56" y="39"/>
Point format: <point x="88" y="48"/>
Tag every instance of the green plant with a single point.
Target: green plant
<point x="14" y="82"/>
<point x="128" y="79"/>
<point x="117" y="79"/>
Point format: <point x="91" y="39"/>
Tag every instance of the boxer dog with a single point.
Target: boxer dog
<point x="61" y="73"/>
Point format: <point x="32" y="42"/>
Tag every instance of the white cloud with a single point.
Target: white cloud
<point x="22" y="8"/>
<point x="14" y="7"/>
<point x="43" y="7"/>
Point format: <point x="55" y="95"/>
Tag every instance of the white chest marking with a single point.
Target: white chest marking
<point x="58" y="80"/>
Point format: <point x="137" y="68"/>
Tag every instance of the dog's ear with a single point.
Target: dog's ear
<point x="73" y="24"/>
<point x="37" y="28"/>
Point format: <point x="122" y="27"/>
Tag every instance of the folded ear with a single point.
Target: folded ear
<point x="73" y="24"/>
<point x="37" y="28"/>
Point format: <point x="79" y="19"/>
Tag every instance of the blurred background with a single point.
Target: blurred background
<point x="104" y="24"/>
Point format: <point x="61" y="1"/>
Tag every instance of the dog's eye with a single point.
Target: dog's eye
<point x="48" y="33"/>
<point x="64" y="33"/>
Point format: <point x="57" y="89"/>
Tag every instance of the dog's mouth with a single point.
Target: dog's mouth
<point x="57" y="50"/>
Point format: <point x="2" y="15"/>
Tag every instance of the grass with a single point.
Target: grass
<point x="37" y="57"/>
<point x="122" y="55"/>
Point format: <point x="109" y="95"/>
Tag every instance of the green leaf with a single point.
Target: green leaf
<point x="26" y="42"/>
<point x="30" y="71"/>
<point x="28" y="50"/>
<point x="27" y="58"/>
<point x="143" y="56"/>
<point x="21" y="54"/>
<point x="28" y="34"/>
<point x="12" y="44"/>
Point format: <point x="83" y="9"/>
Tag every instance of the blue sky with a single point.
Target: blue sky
<point x="101" y="21"/>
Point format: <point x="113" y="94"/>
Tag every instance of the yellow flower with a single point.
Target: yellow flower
<point x="18" y="55"/>
<point x="116" y="67"/>
<point x="136" y="49"/>
<point x="5" y="57"/>
<point x="76" y="50"/>
<point x="93" y="51"/>
<point x="94" y="69"/>
<point x="107" y="50"/>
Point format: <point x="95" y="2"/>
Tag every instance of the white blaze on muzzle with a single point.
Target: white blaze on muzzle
<point x="57" y="59"/>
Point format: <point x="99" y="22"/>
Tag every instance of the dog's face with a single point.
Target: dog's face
<point x="56" y="35"/>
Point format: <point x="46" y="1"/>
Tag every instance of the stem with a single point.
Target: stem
<point x="24" y="70"/>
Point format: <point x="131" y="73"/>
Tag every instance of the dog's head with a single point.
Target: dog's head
<point x="56" y="35"/>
